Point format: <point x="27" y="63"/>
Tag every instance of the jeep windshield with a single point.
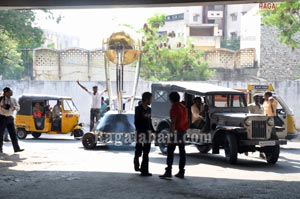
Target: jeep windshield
<point x="227" y="101"/>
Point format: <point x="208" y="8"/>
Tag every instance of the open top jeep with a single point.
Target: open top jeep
<point x="226" y="123"/>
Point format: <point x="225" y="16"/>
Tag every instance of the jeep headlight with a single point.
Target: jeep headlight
<point x="270" y="121"/>
<point x="248" y="121"/>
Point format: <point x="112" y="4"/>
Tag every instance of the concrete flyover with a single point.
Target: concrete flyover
<point x="108" y="3"/>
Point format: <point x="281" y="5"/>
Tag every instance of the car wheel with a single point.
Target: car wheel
<point x="203" y="148"/>
<point x="36" y="135"/>
<point x="162" y="139"/>
<point x="78" y="133"/>
<point x="89" y="141"/>
<point x="231" y="148"/>
<point x="21" y="133"/>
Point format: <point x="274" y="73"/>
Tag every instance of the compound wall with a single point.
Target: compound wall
<point x="288" y="90"/>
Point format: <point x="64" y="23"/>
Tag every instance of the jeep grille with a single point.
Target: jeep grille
<point x="259" y="129"/>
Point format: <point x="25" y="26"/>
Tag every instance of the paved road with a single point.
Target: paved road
<point x="59" y="167"/>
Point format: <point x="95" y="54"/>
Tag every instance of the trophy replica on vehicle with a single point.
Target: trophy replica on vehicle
<point x="117" y="125"/>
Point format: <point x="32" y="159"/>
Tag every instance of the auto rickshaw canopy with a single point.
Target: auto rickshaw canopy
<point x="26" y="101"/>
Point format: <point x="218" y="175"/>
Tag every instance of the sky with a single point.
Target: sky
<point x="92" y="25"/>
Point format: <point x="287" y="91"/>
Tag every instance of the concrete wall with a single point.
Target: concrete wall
<point x="69" y="88"/>
<point x="288" y="90"/>
<point x="278" y="61"/>
<point x="74" y="64"/>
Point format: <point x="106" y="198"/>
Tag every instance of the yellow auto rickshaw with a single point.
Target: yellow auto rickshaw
<point x="47" y="114"/>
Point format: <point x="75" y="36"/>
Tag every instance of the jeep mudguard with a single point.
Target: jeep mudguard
<point x="219" y="135"/>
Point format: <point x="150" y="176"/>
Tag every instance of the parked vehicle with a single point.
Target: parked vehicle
<point x="284" y="113"/>
<point x="115" y="127"/>
<point x="228" y="125"/>
<point x="30" y="121"/>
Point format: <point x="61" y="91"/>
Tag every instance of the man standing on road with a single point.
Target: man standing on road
<point x="142" y="121"/>
<point x="96" y="104"/>
<point x="7" y="107"/>
<point x="179" y="125"/>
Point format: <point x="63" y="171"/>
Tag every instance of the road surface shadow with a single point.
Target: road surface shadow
<point x="8" y="161"/>
<point x="118" y="148"/>
<point x="283" y="166"/>
<point x="115" y="185"/>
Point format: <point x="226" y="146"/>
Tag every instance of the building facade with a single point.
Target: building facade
<point x="59" y="41"/>
<point x="196" y="24"/>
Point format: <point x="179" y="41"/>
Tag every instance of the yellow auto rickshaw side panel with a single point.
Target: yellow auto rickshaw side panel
<point x="69" y="121"/>
<point x="291" y="125"/>
<point x="27" y="122"/>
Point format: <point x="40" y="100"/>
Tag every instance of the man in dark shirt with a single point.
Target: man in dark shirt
<point x="142" y="121"/>
<point x="179" y="125"/>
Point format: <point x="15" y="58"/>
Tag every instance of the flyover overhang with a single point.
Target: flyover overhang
<point x="18" y="4"/>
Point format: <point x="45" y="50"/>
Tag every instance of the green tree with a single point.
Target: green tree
<point x="286" y="18"/>
<point x="20" y="25"/>
<point x="10" y="58"/>
<point x="160" y="62"/>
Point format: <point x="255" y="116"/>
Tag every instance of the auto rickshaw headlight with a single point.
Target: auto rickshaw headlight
<point x="248" y="121"/>
<point x="270" y="121"/>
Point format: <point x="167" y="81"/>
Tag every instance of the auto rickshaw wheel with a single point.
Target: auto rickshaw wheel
<point x="89" y="141"/>
<point x="21" y="133"/>
<point x="36" y="135"/>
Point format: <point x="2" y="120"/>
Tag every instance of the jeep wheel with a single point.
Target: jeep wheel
<point x="36" y="135"/>
<point x="162" y="140"/>
<point x="273" y="154"/>
<point x="88" y="141"/>
<point x="21" y="133"/>
<point x="203" y="148"/>
<point x="231" y="148"/>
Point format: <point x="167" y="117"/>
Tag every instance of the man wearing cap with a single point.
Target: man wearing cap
<point x="96" y="103"/>
<point x="256" y="107"/>
<point x="7" y="107"/>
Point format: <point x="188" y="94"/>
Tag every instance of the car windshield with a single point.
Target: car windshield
<point x="227" y="101"/>
<point x="69" y="105"/>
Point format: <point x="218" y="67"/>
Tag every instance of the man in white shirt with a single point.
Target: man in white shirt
<point x="7" y="107"/>
<point x="96" y="104"/>
<point x="256" y="107"/>
<point x="197" y="113"/>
